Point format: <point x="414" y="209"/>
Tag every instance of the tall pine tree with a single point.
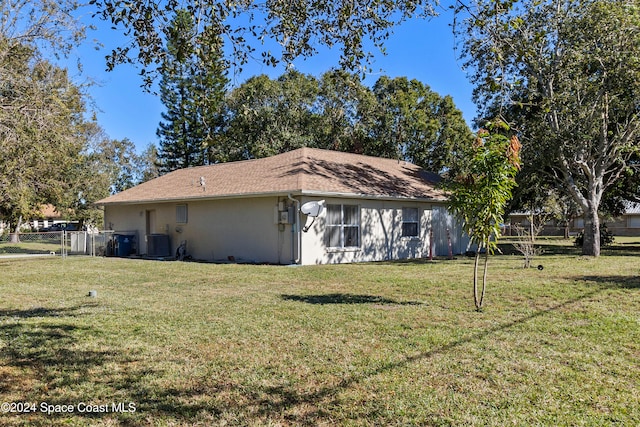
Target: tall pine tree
<point x="192" y="89"/>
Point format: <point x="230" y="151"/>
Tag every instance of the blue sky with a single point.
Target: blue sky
<point x="418" y="49"/>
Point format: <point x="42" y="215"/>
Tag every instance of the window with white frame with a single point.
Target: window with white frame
<point x="181" y="214"/>
<point x="343" y="226"/>
<point x="410" y="222"/>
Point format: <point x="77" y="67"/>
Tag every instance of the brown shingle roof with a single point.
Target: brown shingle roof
<point x="49" y="211"/>
<point x="302" y="171"/>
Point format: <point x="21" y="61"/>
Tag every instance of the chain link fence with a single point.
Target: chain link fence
<point x="61" y="243"/>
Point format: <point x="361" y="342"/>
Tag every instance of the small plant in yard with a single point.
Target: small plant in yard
<point x="526" y="245"/>
<point x="481" y="190"/>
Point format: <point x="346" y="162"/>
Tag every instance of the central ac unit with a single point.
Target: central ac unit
<point x="158" y="245"/>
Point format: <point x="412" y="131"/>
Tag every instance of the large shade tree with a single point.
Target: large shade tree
<point x="48" y="25"/>
<point x="266" y="117"/>
<point x="41" y="134"/>
<point x="347" y="108"/>
<point x="397" y="118"/>
<point x="567" y="72"/>
<point x="274" y="31"/>
<point x="414" y="123"/>
<point x="42" y="129"/>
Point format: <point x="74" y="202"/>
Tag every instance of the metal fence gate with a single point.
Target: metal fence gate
<point x="61" y="243"/>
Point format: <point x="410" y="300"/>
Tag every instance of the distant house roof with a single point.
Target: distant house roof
<point x="303" y="171"/>
<point x="49" y="211"/>
<point x="632" y="208"/>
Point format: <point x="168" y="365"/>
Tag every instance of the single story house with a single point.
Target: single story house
<point x="627" y="224"/>
<point x="249" y="211"/>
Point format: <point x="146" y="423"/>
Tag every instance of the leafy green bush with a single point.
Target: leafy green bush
<point x="606" y="237"/>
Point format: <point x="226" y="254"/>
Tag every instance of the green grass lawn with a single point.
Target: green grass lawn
<point x="39" y="247"/>
<point x="367" y="345"/>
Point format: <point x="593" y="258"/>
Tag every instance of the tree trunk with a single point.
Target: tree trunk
<point x="527" y="259"/>
<point x="479" y="299"/>
<point x="475" y="278"/>
<point x="591" y="242"/>
<point x="15" y="236"/>
<point x="531" y="229"/>
<point x="484" y="276"/>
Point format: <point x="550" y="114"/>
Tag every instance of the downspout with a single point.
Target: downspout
<point x="295" y="229"/>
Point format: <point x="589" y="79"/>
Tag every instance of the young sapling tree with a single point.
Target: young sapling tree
<point x="480" y="188"/>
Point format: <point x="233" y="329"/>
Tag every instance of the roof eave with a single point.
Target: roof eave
<point x="363" y="196"/>
<point x="202" y="198"/>
<point x="298" y="192"/>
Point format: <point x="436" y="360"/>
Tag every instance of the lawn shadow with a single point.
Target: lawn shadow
<point x="631" y="249"/>
<point x="615" y="282"/>
<point x="342" y="298"/>
<point x="46" y="358"/>
<point x="283" y="399"/>
<point x="46" y="345"/>
<point x="45" y="312"/>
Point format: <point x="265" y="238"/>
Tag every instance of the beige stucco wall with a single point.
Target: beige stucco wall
<point x="248" y="230"/>
<point x="245" y="229"/>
